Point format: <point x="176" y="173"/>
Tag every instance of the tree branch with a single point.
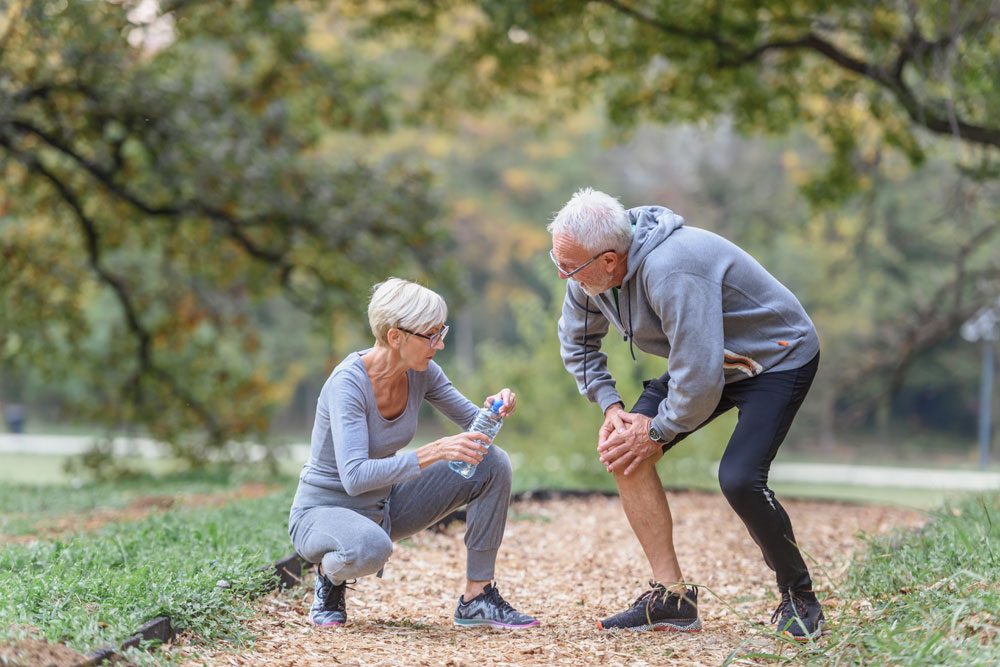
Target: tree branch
<point x="92" y="240"/>
<point x="232" y="225"/>
<point x="889" y="78"/>
<point x="927" y="329"/>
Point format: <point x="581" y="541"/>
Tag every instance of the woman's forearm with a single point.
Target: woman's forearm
<point x="429" y="454"/>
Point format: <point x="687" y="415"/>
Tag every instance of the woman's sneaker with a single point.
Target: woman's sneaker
<point x="488" y="608"/>
<point x="656" y="609"/>
<point x="800" y="616"/>
<point x="328" y="607"/>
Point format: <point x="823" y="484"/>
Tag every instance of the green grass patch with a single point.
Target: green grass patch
<point x="919" y="598"/>
<point x="25" y="507"/>
<point x="97" y="589"/>
<point x="934" y="594"/>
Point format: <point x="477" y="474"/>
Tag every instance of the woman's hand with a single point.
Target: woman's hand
<point x="461" y="447"/>
<point x="509" y="399"/>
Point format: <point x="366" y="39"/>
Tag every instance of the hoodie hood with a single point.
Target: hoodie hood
<point x="653" y="225"/>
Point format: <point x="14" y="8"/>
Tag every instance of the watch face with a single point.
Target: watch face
<point x="654" y="435"/>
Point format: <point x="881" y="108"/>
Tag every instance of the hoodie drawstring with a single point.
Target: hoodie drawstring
<point x="629" y="302"/>
<point x="628" y="330"/>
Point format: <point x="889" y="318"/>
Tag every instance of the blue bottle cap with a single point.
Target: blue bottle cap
<point x="497" y="404"/>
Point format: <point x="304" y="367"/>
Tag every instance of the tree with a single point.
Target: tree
<point x="167" y="170"/>
<point x="875" y="84"/>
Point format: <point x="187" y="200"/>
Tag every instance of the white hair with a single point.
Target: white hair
<point x="595" y="220"/>
<point x="403" y="304"/>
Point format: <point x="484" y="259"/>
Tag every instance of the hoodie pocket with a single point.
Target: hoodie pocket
<point x="741" y="363"/>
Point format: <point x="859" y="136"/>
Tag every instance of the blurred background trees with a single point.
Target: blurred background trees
<point x="171" y="176"/>
<point x="197" y="196"/>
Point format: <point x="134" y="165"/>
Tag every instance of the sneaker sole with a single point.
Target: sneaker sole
<point x="476" y="622"/>
<point x="660" y="626"/>
<point x="334" y="624"/>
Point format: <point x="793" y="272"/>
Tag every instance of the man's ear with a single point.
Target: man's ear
<point x="610" y="261"/>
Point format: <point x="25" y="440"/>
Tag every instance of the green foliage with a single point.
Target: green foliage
<point x="90" y="590"/>
<point x="838" y="66"/>
<point x="168" y="204"/>
<point x="165" y="178"/>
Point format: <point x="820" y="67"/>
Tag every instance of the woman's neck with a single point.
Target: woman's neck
<point x="384" y="364"/>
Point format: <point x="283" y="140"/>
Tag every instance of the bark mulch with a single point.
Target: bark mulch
<point x="32" y="652"/>
<point x="567" y="562"/>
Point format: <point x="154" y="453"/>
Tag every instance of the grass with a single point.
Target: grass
<point x="917" y="599"/>
<point x="89" y="590"/>
<point x="24" y="507"/>
<point x="934" y="595"/>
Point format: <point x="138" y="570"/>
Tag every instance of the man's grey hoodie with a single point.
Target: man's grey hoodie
<point x="699" y="301"/>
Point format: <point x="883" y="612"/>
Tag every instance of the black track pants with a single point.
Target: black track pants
<point x="767" y="405"/>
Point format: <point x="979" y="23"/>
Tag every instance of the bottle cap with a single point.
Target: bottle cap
<point x="497" y="404"/>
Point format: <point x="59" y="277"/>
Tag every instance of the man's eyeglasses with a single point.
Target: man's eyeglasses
<point x="568" y="273"/>
<point x="432" y="339"/>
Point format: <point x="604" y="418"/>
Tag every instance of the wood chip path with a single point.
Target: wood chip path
<point x="567" y="562"/>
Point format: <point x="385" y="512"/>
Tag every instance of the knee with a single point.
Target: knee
<point x="738" y="484"/>
<point x="375" y="552"/>
<point x="360" y="557"/>
<point x="643" y="478"/>
<point x="498" y="466"/>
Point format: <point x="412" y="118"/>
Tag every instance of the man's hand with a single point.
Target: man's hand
<point x="627" y="443"/>
<point x="612" y="423"/>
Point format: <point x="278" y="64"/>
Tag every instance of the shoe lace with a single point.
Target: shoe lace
<point x="325" y="586"/>
<point x="494" y="596"/>
<point x="655" y="592"/>
<point x="789" y="606"/>
<point x="334" y="602"/>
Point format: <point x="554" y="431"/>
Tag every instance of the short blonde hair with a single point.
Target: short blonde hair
<point x="403" y="304"/>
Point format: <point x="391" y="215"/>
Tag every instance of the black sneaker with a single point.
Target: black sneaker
<point x="488" y="608"/>
<point x="800" y="616"/>
<point x="656" y="609"/>
<point x="328" y="607"/>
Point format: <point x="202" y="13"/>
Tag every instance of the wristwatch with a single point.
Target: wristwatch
<point x="654" y="435"/>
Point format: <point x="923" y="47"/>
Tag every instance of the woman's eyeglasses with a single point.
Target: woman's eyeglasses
<point x="432" y="339"/>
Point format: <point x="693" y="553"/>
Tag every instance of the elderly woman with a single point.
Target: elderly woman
<point x="356" y="496"/>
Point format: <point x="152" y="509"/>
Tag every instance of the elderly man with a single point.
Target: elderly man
<point x="734" y="337"/>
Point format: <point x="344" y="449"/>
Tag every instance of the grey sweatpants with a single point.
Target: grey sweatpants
<point x="353" y="542"/>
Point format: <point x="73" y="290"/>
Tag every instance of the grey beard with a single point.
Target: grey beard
<point x="593" y="291"/>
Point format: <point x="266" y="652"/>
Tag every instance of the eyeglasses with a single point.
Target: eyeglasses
<point x="569" y="274"/>
<point x="432" y="339"/>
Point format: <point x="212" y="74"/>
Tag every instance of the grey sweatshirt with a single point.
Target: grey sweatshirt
<point x="696" y="299"/>
<point x="352" y="462"/>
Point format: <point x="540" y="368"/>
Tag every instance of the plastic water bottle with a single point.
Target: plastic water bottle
<point x="487" y="421"/>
